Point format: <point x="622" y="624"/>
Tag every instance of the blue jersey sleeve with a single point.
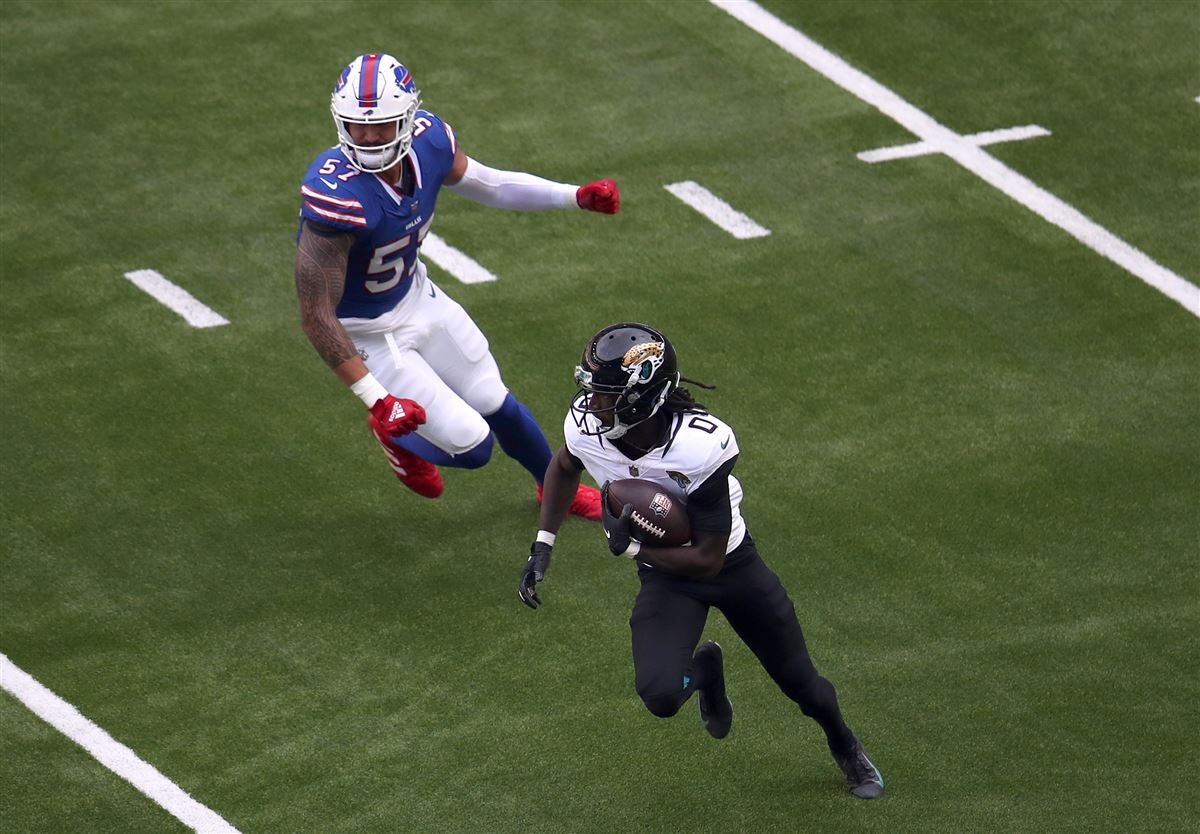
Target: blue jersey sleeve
<point x="329" y="195"/>
<point x="435" y="144"/>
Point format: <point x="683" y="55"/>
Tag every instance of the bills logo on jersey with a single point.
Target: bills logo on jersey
<point x="660" y="505"/>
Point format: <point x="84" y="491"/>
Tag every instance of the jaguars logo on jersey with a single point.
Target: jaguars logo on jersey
<point x="678" y="477"/>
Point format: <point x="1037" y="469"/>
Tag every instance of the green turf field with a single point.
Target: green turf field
<point x="970" y="444"/>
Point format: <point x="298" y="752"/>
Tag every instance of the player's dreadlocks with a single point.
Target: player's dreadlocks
<point x="681" y="400"/>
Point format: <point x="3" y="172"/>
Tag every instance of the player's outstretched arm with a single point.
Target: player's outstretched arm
<point x="320" y="279"/>
<point x="558" y="490"/>
<point x="526" y="192"/>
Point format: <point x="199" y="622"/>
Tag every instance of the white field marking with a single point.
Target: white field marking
<point x="965" y="153"/>
<point x="461" y="266"/>
<point x="108" y="751"/>
<point x="988" y="137"/>
<point x="717" y="210"/>
<point x="178" y="299"/>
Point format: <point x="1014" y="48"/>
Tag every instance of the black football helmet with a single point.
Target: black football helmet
<point x="633" y="362"/>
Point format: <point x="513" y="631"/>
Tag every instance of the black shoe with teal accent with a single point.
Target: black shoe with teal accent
<point x="863" y="779"/>
<point x="716" y="711"/>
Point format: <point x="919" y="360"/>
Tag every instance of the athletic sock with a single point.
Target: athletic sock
<point x="422" y="448"/>
<point x="520" y="436"/>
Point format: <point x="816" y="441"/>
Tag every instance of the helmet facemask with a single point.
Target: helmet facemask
<point x="375" y="89"/>
<point x="639" y="380"/>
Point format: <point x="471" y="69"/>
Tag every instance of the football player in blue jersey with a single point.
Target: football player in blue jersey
<point x="412" y="355"/>
<point x="630" y="418"/>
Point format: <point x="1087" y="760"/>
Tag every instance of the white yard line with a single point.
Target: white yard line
<point x="965" y="153"/>
<point x="109" y="752"/>
<point x="176" y="298"/>
<point x="461" y="266"/>
<point x="717" y="210"/>
<point x="988" y="137"/>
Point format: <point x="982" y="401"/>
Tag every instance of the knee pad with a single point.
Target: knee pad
<point x="461" y="433"/>
<point x="486" y="395"/>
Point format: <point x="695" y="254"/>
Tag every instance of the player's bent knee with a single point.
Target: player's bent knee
<point x="661" y="704"/>
<point x="487" y="395"/>
<point x="477" y="456"/>
<point x="465" y="434"/>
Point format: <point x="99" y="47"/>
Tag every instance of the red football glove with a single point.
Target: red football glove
<point x="601" y="196"/>
<point x="397" y="416"/>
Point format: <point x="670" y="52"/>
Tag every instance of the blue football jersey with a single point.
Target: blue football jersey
<point x="388" y="225"/>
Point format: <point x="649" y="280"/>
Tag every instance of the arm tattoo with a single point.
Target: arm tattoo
<point x="320" y="278"/>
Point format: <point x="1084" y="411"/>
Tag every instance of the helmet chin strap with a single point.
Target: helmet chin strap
<point x="617" y="431"/>
<point x="376" y="162"/>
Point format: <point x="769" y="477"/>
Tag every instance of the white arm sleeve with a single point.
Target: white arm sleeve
<point x="512" y="189"/>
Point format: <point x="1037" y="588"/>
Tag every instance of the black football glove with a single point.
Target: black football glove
<point x="534" y="572"/>
<point x="618" y="528"/>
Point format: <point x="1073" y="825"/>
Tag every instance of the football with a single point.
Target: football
<point x="659" y="518"/>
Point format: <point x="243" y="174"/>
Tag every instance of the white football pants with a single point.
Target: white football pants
<point x="428" y="349"/>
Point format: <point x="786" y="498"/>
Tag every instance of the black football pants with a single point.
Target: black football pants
<point x="668" y="618"/>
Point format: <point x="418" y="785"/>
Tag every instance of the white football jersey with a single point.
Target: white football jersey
<point x="698" y="444"/>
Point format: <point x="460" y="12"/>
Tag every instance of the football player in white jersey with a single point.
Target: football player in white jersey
<point x="414" y="357"/>
<point x="630" y="418"/>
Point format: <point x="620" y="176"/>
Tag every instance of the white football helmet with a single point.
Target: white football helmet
<point x="375" y="88"/>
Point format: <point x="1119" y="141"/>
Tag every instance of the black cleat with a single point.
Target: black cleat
<point x="715" y="709"/>
<point x="863" y="779"/>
